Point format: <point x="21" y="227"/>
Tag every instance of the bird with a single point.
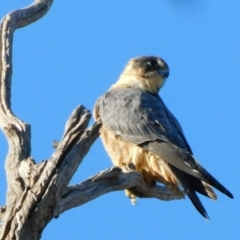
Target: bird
<point x="139" y="130"/>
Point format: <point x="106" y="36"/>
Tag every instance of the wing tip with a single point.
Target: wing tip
<point x="230" y="195"/>
<point x="225" y="191"/>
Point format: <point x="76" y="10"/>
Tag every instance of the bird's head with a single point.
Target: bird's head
<point x="145" y="73"/>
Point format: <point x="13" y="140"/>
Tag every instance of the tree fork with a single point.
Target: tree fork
<point x="38" y="192"/>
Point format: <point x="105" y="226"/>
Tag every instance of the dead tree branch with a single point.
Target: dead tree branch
<point x="38" y="192"/>
<point x="111" y="179"/>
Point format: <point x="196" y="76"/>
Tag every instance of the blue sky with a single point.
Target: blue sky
<point x="72" y="56"/>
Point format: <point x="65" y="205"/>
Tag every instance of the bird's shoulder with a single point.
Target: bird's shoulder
<point x="130" y="98"/>
<point x="139" y="116"/>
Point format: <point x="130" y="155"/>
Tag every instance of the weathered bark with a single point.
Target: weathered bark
<point x="38" y="192"/>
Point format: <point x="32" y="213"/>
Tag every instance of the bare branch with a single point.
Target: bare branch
<point x="67" y="157"/>
<point x="38" y="192"/>
<point x="112" y="179"/>
<point x="2" y="211"/>
<point x="16" y="131"/>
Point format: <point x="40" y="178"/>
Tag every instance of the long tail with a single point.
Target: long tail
<point x="190" y="185"/>
<point x="183" y="160"/>
<point x="197" y="203"/>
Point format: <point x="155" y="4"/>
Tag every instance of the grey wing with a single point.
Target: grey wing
<point x="177" y="125"/>
<point x="143" y="119"/>
<point x="139" y="117"/>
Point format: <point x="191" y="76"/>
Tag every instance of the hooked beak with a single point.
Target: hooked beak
<point x="164" y="73"/>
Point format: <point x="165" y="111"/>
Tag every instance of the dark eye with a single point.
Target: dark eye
<point x="152" y="63"/>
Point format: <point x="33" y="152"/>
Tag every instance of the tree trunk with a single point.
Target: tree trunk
<point x="38" y="192"/>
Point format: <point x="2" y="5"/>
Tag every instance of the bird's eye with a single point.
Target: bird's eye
<point x="152" y="63"/>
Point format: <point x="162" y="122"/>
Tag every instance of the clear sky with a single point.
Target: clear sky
<point x="73" y="55"/>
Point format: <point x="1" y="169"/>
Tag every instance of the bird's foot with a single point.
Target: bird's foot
<point x="131" y="196"/>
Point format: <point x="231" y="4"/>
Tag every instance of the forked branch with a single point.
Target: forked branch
<point x="38" y="192"/>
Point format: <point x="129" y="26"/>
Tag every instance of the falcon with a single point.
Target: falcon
<point x="138" y="130"/>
